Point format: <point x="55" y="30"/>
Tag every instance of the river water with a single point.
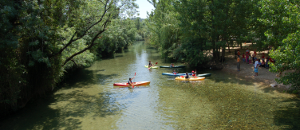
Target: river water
<point x="89" y="101"/>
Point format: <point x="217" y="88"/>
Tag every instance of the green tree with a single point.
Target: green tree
<point x="44" y="38"/>
<point x="209" y="25"/>
<point x="164" y="27"/>
<point x="11" y="70"/>
<point x="281" y="20"/>
<point x="120" y="35"/>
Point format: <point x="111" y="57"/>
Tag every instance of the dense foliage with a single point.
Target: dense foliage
<point x="282" y="19"/>
<point x="188" y="30"/>
<point x="40" y="40"/>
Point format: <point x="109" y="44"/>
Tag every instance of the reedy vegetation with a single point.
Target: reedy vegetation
<point x="41" y="39"/>
<point x="187" y="30"/>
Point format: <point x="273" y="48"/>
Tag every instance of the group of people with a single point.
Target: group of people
<point x="263" y="62"/>
<point x="174" y="72"/>
<point x="194" y="73"/>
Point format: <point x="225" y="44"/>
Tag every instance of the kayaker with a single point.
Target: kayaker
<point x="150" y="64"/>
<point x="130" y="81"/>
<point x="172" y="65"/>
<point x="186" y="75"/>
<point x="193" y="73"/>
<point x="174" y="72"/>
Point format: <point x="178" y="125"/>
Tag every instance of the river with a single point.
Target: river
<point x="89" y="101"/>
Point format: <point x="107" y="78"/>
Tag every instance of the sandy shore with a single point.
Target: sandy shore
<point x="247" y="70"/>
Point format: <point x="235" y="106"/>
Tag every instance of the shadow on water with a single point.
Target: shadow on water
<point x="288" y="116"/>
<point x="84" y="78"/>
<point x="219" y="77"/>
<point x="125" y="50"/>
<point x="63" y="111"/>
<point x="119" y="56"/>
<point x="150" y="47"/>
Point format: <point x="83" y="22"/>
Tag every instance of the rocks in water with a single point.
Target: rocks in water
<point x="273" y="85"/>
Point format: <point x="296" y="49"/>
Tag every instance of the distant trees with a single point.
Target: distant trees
<point x="140" y="26"/>
<point x="164" y="28"/>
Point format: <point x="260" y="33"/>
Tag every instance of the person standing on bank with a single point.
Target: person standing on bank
<point x="238" y="63"/>
<point x="253" y="56"/>
<point x="256" y="65"/>
<point x="247" y="56"/>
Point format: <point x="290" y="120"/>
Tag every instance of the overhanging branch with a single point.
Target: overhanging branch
<point x="85" y="32"/>
<point x="92" y="42"/>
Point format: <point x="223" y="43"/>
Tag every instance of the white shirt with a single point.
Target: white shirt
<point x="256" y="64"/>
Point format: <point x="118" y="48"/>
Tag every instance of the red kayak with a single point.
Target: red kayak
<point x="134" y="83"/>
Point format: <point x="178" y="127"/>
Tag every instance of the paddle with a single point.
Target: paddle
<point x="133" y="78"/>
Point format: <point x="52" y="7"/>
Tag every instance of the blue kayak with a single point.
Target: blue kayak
<point x="171" y="74"/>
<point x="179" y="66"/>
<point x="184" y="73"/>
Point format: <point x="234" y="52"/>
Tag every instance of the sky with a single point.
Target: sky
<point x="144" y="6"/>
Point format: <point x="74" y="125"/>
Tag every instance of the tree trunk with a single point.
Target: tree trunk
<point x="216" y="54"/>
<point x="241" y="45"/>
<point x="214" y="50"/>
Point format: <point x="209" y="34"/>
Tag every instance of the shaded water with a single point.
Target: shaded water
<point x="88" y="100"/>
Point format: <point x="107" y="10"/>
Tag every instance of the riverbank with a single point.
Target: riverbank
<point x="247" y="70"/>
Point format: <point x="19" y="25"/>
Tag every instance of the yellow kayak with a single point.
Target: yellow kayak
<point x="152" y="67"/>
<point x="189" y="79"/>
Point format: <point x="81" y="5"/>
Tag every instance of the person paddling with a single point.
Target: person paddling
<point x="150" y="64"/>
<point x="174" y="72"/>
<point x="187" y="75"/>
<point x="193" y="73"/>
<point x="130" y="81"/>
<point x="172" y="65"/>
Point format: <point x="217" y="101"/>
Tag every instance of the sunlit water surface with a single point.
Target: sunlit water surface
<point x="88" y="100"/>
